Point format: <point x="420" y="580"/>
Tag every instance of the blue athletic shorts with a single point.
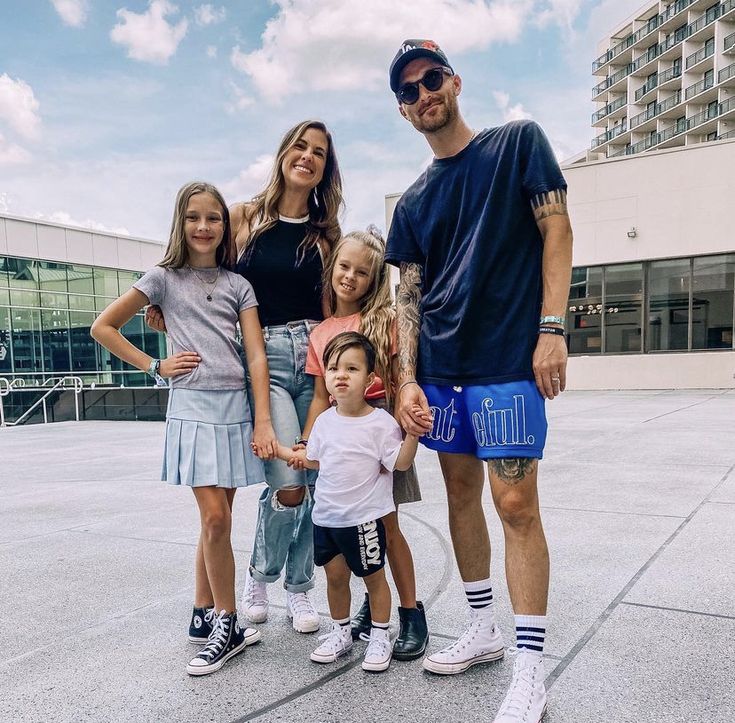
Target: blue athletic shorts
<point x="489" y="421"/>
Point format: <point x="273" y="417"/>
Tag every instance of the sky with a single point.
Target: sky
<point x="107" y="107"/>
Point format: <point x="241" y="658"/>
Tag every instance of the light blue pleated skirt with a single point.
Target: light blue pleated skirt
<point x="208" y="435"/>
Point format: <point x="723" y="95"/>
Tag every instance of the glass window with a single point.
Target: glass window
<point x="102" y="302"/>
<point x="668" y="305"/>
<point x="127" y="279"/>
<point x="584" y="328"/>
<point x="54" y="301"/>
<point x="83" y="347"/>
<point x="55" y="325"/>
<point x="26" y="340"/>
<point x="22" y="297"/>
<point x="623" y="308"/>
<point x="80" y="279"/>
<point x="81" y="302"/>
<point x="6" y="357"/>
<point x="51" y="276"/>
<point x="712" y="302"/>
<point x="105" y="282"/>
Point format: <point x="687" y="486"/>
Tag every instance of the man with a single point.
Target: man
<point x="483" y="243"/>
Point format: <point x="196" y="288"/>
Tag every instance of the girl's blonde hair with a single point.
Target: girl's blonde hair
<point x="377" y="314"/>
<point x="177" y="254"/>
<point x="324" y="203"/>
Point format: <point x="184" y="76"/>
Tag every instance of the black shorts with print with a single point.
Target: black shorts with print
<point x="363" y="546"/>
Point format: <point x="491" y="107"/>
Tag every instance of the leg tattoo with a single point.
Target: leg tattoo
<point x="512" y="471"/>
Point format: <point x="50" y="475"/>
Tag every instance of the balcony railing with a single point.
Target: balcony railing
<point x="609" y="108"/>
<point x="698" y="88"/>
<point x="711" y="112"/>
<point x="704" y="20"/>
<point x="729" y="42"/>
<point x="700" y="55"/>
<point x="725" y="136"/>
<point x="726" y="73"/>
<point x="625" y="43"/>
<point x="611" y="80"/>
<point x="647" y="87"/>
<point x="674" y="9"/>
<point x="670" y="74"/>
<point x="656" y="110"/>
<point x="609" y="135"/>
<point x="646" y="58"/>
<point x="726" y="6"/>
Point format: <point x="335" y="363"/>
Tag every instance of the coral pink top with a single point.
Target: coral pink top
<point x="325" y="332"/>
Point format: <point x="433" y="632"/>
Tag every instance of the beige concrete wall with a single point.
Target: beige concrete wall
<point x="680" y="202"/>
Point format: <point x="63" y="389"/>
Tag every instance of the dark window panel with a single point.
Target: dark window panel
<point x="668" y="305"/>
<point x="712" y="302"/>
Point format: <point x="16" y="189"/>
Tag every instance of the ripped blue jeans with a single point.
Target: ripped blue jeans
<point x="284" y="537"/>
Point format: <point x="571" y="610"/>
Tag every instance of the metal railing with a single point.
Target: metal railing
<point x="725" y="136"/>
<point x="69" y="383"/>
<point x="609" y="135"/>
<point x="609" y="108"/>
<point x="669" y="74"/>
<point x="710" y="113"/>
<point x="625" y="43"/>
<point x="729" y="43"/>
<point x="647" y="87"/>
<point x="656" y="110"/>
<point x="611" y="80"/>
<point x="699" y="87"/>
<point x="704" y="20"/>
<point x="674" y="9"/>
<point x="726" y="73"/>
<point x="699" y="56"/>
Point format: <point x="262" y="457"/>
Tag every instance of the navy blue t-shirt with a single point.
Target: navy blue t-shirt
<point x="467" y="220"/>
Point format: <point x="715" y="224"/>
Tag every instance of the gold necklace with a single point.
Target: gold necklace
<point x="205" y="284"/>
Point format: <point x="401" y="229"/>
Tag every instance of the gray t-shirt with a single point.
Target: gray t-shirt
<point x="206" y="327"/>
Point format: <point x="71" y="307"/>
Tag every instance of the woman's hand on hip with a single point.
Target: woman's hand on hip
<point x="182" y="363"/>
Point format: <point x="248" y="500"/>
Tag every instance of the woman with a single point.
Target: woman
<point x="283" y="237"/>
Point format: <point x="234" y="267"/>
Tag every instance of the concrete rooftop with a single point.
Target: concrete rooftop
<point x="638" y="497"/>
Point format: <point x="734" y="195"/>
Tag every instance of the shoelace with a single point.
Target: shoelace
<point x="379" y="646"/>
<point x="255" y="592"/>
<point x="217" y="638"/>
<point x="520" y="691"/>
<point x="333" y="641"/>
<point x="210" y="615"/>
<point x="469" y="633"/>
<point x="300" y="604"/>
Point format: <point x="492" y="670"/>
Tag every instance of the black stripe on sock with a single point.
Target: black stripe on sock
<point x="523" y="628"/>
<point x="382" y="626"/>
<point x="526" y="646"/>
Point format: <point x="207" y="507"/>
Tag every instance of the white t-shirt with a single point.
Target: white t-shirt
<point x="356" y="458"/>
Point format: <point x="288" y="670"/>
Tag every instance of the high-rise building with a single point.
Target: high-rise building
<point x="664" y="78"/>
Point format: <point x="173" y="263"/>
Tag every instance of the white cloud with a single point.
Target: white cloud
<point x="207" y="14"/>
<point x="211" y="51"/>
<point x="240" y="100"/>
<point x="68" y="220"/>
<point x="510" y="112"/>
<point x="149" y="36"/>
<point x="4" y="202"/>
<point x="559" y="12"/>
<point x="12" y="153"/>
<point x="348" y="44"/>
<point x="250" y="180"/>
<point x="19" y="107"/>
<point x="72" y="12"/>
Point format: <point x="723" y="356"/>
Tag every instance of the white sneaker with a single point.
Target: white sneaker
<point x="337" y="642"/>
<point x="481" y="642"/>
<point x="254" y="601"/>
<point x="301" y="613"/>
<point x="525" y="701"/>
<point x="379" y="650"/>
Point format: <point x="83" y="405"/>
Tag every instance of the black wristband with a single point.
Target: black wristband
<point x="551" y="330"/>
<point x="301" y="440"/>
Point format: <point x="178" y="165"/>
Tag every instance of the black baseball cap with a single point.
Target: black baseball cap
<point x="410" y="50"/>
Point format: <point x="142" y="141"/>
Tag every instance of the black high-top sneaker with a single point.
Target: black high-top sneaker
<point x="200" y="626"/>
<point x="362" y="622"/>
<point x="227" y="640"/>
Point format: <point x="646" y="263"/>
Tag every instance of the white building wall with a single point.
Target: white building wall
<point x="67" y="244"/>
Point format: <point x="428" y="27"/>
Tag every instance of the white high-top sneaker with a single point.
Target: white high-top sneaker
<point x="481" y="642"/>
<point x="254" y="601"/>
<point x="337" y="642"/>
<point x="301" y="612"/>
<point x="379" y="650"/>
<point x="525" y="701"/>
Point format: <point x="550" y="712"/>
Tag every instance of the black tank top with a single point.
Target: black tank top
<point x="287" y="289"/>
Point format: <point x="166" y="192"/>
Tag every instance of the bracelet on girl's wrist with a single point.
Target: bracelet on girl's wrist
<point x="301" y="440"/>
<point x="405" y="384"/>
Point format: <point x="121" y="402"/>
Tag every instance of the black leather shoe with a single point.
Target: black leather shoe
<point x="413" y="635"/>
<point x="362" y="622"/>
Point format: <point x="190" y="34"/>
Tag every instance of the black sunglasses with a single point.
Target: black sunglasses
<point x="433" y="79"/>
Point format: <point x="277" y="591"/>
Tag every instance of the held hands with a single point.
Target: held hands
<point x="550" y="365"/>
<point x="154" y="318"/>
<point x="182" y="363"/>
<point x="412" y="411"/>
<point x="264" y="444"/>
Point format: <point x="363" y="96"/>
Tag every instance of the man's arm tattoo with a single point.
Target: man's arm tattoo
<point x="512" y="471"/>
<point x="408" y="300"/>
<point x="549" y="203"/>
